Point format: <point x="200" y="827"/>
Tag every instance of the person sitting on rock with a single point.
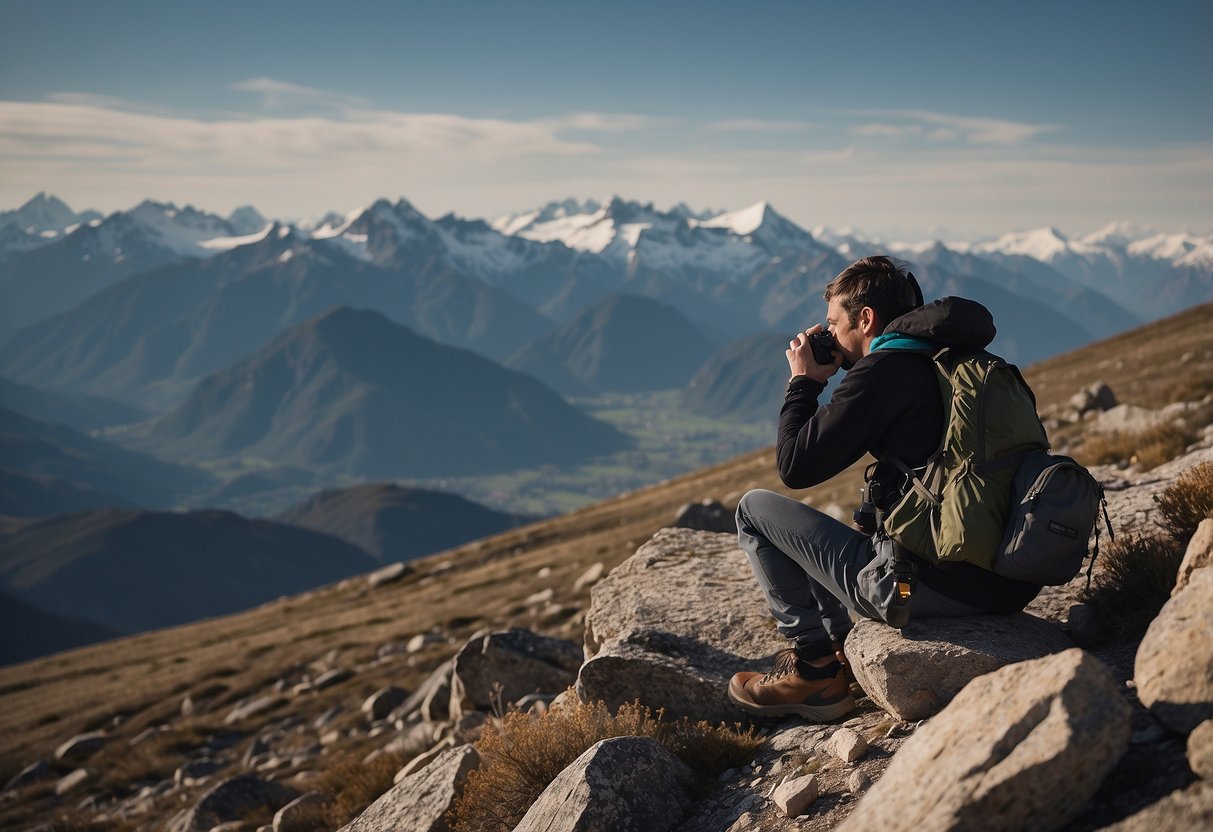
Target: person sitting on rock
<point x="815" y="570"/>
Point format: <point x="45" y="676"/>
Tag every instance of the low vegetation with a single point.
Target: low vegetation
<point x="1146" y="449"/>
<point x="1186" y="502"/>
<point x="348" y="786"/>
<point x="524" y="753"/>
<point x="1138" y="570"/>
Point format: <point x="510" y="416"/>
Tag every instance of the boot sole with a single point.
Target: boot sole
<point x="817" y="713"/>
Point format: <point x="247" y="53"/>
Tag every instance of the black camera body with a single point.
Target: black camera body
<point x="822" y="344"/>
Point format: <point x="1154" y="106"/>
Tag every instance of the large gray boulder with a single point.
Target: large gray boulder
<point x="672" y="623"/>
<point x="912" y="673"/>
<point x="1174" y="665"/>
<point x="233" y="799"/>
<point x="1023" y="747"/>
<point x="420" y="802"/>
<point x="625" y="784"/>
<point x="520" y="661"/>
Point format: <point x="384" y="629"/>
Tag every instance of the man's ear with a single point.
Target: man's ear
<point x="868" y="322"/>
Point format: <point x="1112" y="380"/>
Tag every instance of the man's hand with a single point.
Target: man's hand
<point x="801" y="361"/>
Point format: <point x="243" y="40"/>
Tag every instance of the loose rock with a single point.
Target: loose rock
<point x="914" y="672"/>
<point x="299" y="814"/>
<point x="431" y="699"/>
<point x="624" y="783"/>
<point x="589" y="577"/>
<point x="383" y="701"/>
<point x="246" y="710"/>
<point x="794" y="796"/>
<point x="420" y="802"/>
<point x="1174" y="665"/>
<point x="387" y="574"/>
<point x="233" y="799"/>
<point x="32" y="773"/>
<point x="858" y="782"/>
<point x="1023" y="747"/>
<point x="847" y="745"/>
<point x="72" y="781"/>
<point x="520" y="661"/>
<point x="80" y="747"/>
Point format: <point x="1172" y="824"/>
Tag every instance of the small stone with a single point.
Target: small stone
<point x="590" y="577"/>
<point x="71" y="781"/>
<point x="32" y="773"/>
<point x="387" y="574"/>
<point x="187" y="706"/>
<point x="728" y="774"/>
<point x="383" y="701"/>
<point x="541" y="597"/>
<point x="330" y="678"/>
<point x="297" y="816"/>
<point x="858" y="782"/>
<point x="743" y="823"/>
<point x="420" y="641"/>
<point x="544" y="572"/>
<point x="794" y="796"/>
<point x="80" y="747"/>
<point x="847" y="745"/>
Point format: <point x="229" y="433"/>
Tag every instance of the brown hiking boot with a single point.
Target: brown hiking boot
<point x="784" y="691"/>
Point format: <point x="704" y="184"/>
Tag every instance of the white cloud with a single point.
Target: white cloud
<point x="275" y="93"/>
<point x="749" y="125"/>
<point x="906" y="124"/>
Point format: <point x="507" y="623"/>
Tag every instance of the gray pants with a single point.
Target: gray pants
<point x="813" y="569"/>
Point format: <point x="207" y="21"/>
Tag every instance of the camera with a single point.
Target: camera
<point x="822" y="344"/>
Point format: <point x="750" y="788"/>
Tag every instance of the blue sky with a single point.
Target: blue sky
<point x="906" y="117"/>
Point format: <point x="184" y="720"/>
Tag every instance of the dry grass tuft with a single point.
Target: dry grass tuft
<point x="522" y="756"/>
<point x="1137" y="577"/>
<point x="1147" y="448"/>
<point x="350" y="785"/>
<point x="1187" y="501"/>
<point x="1191" y="389"/>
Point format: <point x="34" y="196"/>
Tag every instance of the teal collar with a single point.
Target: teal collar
<point x="897" y="341"/>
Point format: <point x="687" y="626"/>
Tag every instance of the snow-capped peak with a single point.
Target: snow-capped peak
<point x="1119" y="234"/>
<point x="1044" y="244"/>
<point x="45" y="216"/>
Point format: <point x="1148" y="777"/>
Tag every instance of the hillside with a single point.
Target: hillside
<point x="393" y="523"/>
<point x="622" y="343"/>
<point x="39" y="450"/>
<point x="140" y="681"/>
<point x="133" y="570"/>
<point x="352" y="392"/>
<point x="743" y="379"/>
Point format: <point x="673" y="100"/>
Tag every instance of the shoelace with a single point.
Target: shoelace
<point x="785" y="663"/>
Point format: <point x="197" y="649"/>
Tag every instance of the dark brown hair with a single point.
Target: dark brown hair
<point x="879" y="282"/>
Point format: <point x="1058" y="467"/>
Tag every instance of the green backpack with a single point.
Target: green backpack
<point x="992" y="495"/>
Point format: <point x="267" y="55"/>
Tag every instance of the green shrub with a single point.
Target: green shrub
<point x="1137" y="575"/>
<point x="521" y="757"/>
<point x="1187" y="501"/>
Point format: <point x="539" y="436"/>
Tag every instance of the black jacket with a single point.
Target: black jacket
<point x="890" y="403"/>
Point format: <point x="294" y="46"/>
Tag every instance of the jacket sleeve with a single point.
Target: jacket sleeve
<point x="817" y="442"/>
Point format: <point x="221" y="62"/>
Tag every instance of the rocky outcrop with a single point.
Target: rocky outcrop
<point x="1023" y="747"/>
<point x="518" y="661"/>
<point x="625" y="784"/>
<point x="420" y="802"/>
<point x="672" y="623"/>
<point x="1198" y="555"/>
<point x="233" y="799"/>
<point x="1174" y="666"/>
<point x="914" y="672"/>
